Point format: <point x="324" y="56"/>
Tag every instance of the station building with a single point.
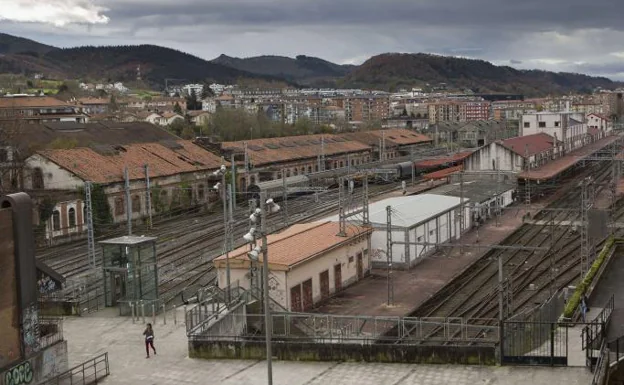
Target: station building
<point x="308" y="263"/>
<point x="423" y="218"/>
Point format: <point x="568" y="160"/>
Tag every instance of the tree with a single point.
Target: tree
<point x="188" y="132"/>
<point x="177" y="109"/>
<point x="206" y="92"/>
<point x="192" y="104"/>
<point x="112" y="104"/>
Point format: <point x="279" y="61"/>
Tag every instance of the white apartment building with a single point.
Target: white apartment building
<point x="567" y="127"/>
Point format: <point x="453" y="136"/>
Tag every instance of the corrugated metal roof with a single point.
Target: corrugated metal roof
<point x="408" y="211"/>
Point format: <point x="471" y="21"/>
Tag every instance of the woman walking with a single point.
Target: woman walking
<point x="149" y="339"/>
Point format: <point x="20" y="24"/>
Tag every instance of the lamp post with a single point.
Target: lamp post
<point x="261" y="215"/>
<point x="226" y="227"/>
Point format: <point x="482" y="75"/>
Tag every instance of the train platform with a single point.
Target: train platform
<point x="559" y="165"/>
<point x="104" y="331"/>
<point x="413" y="287"/>
<point x="415" y="189"/>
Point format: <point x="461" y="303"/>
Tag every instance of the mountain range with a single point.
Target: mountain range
<point x="386" y="72"/>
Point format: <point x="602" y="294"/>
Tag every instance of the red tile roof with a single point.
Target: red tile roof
<point x="291" y="148"/>
<point x="31" y="102"/>
<point x="181" y="156"/>
<point x="530" y="144"/>
<point x="441" y="174"/>
<point x="559" y="165"/>
<point x="297" y="244"/>
<point x="437" y="162"/>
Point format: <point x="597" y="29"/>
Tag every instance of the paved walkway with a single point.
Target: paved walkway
<point x="611" y="283"/>
<point x="91" y="335"/>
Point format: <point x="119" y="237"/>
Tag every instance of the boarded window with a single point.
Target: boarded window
<point x="136" y="204"/>
<point x="120" y="207"/>
<point x="37" y="178"/>
<point x="71" y="215"/>
<point x="56" y="220"/>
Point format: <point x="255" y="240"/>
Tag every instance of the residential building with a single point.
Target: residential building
<point x="199" y="118"/>
<point x="197" y="88"/>
<point x="422" y="218"/>
<point x="599" y="122"/>
<point x="447" y="112"/>
<point x="515" y="154"/>
<point x="477" y="110"/>
<point x="38" y="109"/>
<point x="308" y="263"/>
<point x="364" y="108"/>
<point x="92" y="106"/>
<point x="209" y="105"/>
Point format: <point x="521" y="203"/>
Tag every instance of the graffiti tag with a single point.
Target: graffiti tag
<point x="21" y="374"/>
<point x="46" y="285"/>
<point x="30" y="329"/>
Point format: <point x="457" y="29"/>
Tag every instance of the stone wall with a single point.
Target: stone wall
<point x="310" y="351"/>
<point x="44" y="365"/>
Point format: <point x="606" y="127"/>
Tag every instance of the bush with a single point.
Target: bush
<point x="575" y="300"/>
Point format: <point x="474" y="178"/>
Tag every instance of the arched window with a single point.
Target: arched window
<point x="37" y="178"/>
<point x="71" y="215"/>
<point x="56" y="220"/>
<point x="200" y="192"/>
<point x="120" y="207"/>
<point x="136" y="204"/>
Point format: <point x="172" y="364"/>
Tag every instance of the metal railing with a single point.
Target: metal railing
<point x="324" y="328"/>
<point x="535" y="343"/>
<point x="89" y="372"/>
<point x="601" y="370"/>
<point x="616" y="347"/>
<point x="50" y="331"/>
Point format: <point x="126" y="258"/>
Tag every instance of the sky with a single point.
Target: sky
<point x="554" y="35"/>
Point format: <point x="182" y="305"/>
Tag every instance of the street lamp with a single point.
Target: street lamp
<point x="259" y="215"/>
<point x="226" y="226"/>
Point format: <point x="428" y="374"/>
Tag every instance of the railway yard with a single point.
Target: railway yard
<point x="186" y="246"/>
<point x="539" y="258"/>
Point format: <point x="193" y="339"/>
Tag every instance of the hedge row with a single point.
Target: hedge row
<point x="574" y="301"/>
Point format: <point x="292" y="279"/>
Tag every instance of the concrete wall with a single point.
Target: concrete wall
<point x="10" y="340"/>
<point x="309" y="351"/>
<point x="486" y="157"/>
<point x="46" y="364"/>
<point x="54" y="177"/>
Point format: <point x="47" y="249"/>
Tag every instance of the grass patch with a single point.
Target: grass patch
<point x="575" y="300"/>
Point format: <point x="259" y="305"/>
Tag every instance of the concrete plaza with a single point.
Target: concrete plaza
<point x="105" y="332"/>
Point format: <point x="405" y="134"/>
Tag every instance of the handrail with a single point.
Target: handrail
<point x="77" y="374"/>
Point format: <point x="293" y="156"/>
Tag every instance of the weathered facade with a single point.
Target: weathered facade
<point x="308" y="263"/>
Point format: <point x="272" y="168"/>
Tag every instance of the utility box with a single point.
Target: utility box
<point x="129" y="269"/>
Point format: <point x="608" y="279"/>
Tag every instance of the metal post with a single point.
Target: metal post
<point x="413" y="165"/>
<point x="389" y="253"/>
<point x="148" y="197"/>
<point x="175" y="314"/>
<point x="285" y="196"/>
<point x="496" y="206"/>
<point x="128" y="201"/>
<point x="233" y="181"/>
<point x="143" y="311"/>
<point x="132" y="311"/>
<point x="501" y="300"/>
<point x="153" y="314"/>
<point x="164" y="308"/>
<point x="90" y="230"/>
<point x="267" y="310"/>
<point x="224" y="201"/>
<point x="462" y="224"/>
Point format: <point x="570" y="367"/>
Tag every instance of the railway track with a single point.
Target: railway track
<point x="474" y="294"/>
<point x="186" y="248"/>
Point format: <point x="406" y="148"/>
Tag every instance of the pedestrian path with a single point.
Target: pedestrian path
<point x="123" y="340"/>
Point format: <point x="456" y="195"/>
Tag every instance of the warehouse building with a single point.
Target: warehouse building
<point x="424" y="218"/>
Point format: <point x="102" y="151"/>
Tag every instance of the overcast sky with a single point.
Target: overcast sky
<point x="558" y="35"/>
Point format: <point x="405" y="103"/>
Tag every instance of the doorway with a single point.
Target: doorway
<point x="338" y="277"/>
<point x="116" y="283"/>
<point x="360" y="266"/>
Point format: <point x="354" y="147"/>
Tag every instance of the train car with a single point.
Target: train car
<point x="274" y="189"/>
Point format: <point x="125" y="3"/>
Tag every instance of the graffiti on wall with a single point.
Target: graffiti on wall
<point x="30" y="329"/>
<point x="21" y="374"/>
<point x="46" y="284"/>
<point x="275" y="290"/>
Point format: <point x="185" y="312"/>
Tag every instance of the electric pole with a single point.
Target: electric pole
<point x="128" y="201"/>
<point x="148" y="197"/>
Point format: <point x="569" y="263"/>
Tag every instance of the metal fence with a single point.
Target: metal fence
<point x="89" y="372"/>
<point x="601" y="370"/>
<point x="323" y="328"/>
<point x="534" y="343"/>
<point x="50" y="331"/>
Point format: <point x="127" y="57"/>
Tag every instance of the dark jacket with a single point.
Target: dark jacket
<point x="149" y="334"/>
